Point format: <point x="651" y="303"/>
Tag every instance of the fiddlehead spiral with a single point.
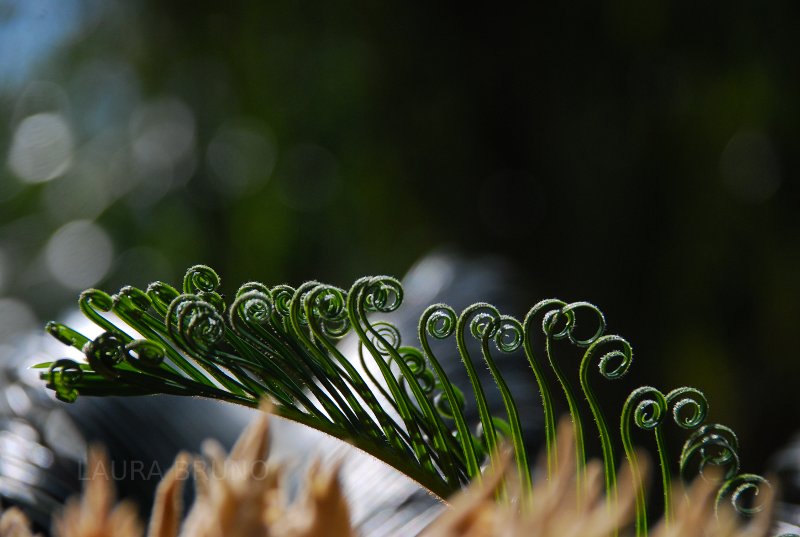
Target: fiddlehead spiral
<point x="133" y="306"/>
<point x="646" y="407"/>
<point x="328" y="309"/>
<point x="250" y="317"/>
<point x="689" y="409"/>
<point x="614" y="356"/>
<point x="195" y="323"/>
<point x="326" y="315"/>
<point x="282" y="297"/>
<point x="251" y="307"/>
<point x="384" y="294"/>
<point x="570" y="311"/>
<point x="385" y="337"/>
<point x="252" y="286"/>
<point x="415" y="362"/>
<point x="105" y="353"/>
<point x="714" y="445"/>
<point x="440" y="321"/>
<point x="320" y="365"/>
<point x="63" y="378"/>
<point x="144" y="354"/>
<point x="559" y="324"/>
<point x="161" y="296"/>
<point x="200" y="279"/>
<point x="688" y="399"/>
<point x="507" y="334"/>
<point x="131" y="302"/>
<point x="542" y="308"/>
<point x="93" y="303"/>
<point x="478" y="319"/>
<point x="743" y="491"/>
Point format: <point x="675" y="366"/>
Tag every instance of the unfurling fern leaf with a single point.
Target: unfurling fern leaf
<point x="396" y="403"/>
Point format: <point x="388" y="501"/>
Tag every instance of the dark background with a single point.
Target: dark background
<point x="642" y="156"/>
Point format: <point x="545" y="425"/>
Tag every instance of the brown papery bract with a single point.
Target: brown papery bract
<point x="242" y="495"/>
<point x="14" y="523"/>
<point x="559" y="507"/>
<point x="96" y="514"/>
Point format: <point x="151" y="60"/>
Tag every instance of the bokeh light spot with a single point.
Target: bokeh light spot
<point x="163" y="133"/>
<point x="42" y="148"/>
<point x="16" y="319"/>
<point x="81" y="193"/>
<point x="79" y="254"/>
<point x="241" y="158"/>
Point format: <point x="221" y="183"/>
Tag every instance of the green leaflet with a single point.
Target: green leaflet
<point x="281" y="343"/>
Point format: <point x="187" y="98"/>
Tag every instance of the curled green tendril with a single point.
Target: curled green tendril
<point x="251" y="317"/>
<point x="689" y="409"/>
<point x="197" y="328"/>
<point x="477" y="319"/>
<point x="252" y="307"/>
<point x="140" y="310"/>
<point x="133" y="301"/>
<point x="326" y="315"/>
<point x="200" y="279"/>
<point x="646" y="407"/>
<point x="252" y="286"/>
<point x="144" y="354"/>
<point x="161" y="296"/>
<point x="93" y="303"/>
<point x="63" y="377"/>
<point x="507" y="334"/>
<point x="688" y="399"/>
<point x="383" y="294"/>
<point x="328" y="308"/>
<point x="614" y="356"/>
<point x="105" y="353"/>
<point x="570" y="311"/>
<point x="385" y="337"/>
<point x="282" y="297"/>
<point x="542" y="308"/>
<point x="415" y="361"/>
<point x="334" y="391"/>
<point x="195" y="323"/>
<point x="440" y="321"/>
<point x="559" y="324"/>
<point x="714" y="445"/>
<point x="743" y="489"/>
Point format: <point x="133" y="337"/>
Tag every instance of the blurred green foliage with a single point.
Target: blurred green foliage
<point x="640" y="156"/>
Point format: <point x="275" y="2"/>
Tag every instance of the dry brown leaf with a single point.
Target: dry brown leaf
<point x="14" y="523"/>
<point x="168" y="504"/>
<point x="95" y="514"/>
<point x="241" y="495"/>
<point x="559" y="508"/>
<point x="323" y="512"/>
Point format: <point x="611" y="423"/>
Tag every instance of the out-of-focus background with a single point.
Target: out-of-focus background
<point x="642" y="156"/>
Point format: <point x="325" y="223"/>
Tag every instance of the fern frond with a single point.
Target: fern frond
<point x="396" y="402"/>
